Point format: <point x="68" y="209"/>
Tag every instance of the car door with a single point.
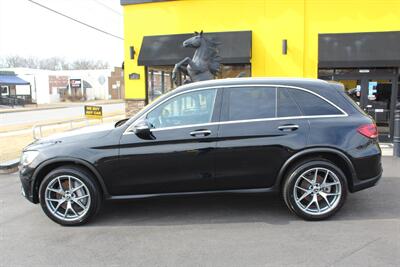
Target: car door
<point x="260" y="128"/>
<point x="180" y="155"/>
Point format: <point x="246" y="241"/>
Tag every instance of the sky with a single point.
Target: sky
<point x="30" y="31"/>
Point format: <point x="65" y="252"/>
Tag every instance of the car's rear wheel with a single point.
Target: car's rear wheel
<point x="70" y="196"/>
<point x="315" y="189"/>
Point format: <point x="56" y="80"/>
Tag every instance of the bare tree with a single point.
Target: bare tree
<point x="85" y="64"/>
<point x="20" y="62"/>
<point x="52" y="63"/>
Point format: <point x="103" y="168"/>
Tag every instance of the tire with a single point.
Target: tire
<point x="315" y="198"/>
<point x="65" y="206"/>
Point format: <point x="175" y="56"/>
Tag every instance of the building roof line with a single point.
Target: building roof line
<point x="134" y="2"/>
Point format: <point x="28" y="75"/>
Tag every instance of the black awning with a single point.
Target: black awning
<point x="368" y="49"/>
<point x="163" y="50"/>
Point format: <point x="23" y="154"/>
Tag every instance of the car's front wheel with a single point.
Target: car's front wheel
<point x="69" y="195"/>
<point x="315" y="189"/>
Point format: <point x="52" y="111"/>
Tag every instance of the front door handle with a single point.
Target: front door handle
<point x="200" y="132"/>
<point x="288" y="127"/>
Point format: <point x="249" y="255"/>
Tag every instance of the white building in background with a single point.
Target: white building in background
<point x="94" y="83"/>
<point x="49" y="86"/>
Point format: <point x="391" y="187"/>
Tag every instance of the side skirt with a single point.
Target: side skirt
<point x="234" y="191"/>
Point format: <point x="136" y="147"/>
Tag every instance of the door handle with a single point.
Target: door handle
<point x="200" y="132"/>
<point x="289" y="127"/>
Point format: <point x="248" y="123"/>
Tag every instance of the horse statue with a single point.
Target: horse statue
<point x="205" y="63"/>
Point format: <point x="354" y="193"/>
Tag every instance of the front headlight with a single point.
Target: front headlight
<point x="28" y="156"/>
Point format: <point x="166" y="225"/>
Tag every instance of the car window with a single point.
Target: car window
<point x="185" y="109"/>
<point x="312" y="105"/>
<point x="287" y="107"/>
<point x="247" y="103"/>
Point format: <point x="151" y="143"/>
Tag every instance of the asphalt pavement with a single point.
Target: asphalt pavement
<point x="217" y="230"/>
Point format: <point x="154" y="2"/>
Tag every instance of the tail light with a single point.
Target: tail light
<point x="368" y="130"/>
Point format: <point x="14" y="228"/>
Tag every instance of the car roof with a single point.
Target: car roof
<point x="308" y="83"/>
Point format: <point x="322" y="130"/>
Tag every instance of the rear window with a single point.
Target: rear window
<point x="287" y="107"/>
<point x="246" y="103"/>
<point x="312" y="105"/>
<point x="352" y="101"/>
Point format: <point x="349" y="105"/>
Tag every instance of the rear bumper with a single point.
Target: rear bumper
<point x="363" y="184"/>
<point x="367" y="164"/>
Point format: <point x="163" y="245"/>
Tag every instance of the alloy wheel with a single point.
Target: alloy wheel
<point x="317" y="191"/>
<point x="67" y="198"/>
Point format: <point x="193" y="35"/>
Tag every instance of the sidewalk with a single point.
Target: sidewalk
<point x="33" y="107"/>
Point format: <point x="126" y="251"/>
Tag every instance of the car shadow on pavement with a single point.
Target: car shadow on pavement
<point x="380" y="202"/>
<point x="199" y="209"/>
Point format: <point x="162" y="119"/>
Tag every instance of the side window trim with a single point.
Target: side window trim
<point x="221" y="89"/>
<point x="217" y="109"/>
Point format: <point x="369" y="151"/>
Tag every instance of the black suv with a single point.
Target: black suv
<point x="304" y="138"/>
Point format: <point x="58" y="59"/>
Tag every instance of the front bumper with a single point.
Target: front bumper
<point x="25" y="175"/>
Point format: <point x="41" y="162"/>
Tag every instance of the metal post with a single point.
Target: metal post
<point x="396" y="135"/>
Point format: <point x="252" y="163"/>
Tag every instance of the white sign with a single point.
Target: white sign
<point x="23" y="89"/>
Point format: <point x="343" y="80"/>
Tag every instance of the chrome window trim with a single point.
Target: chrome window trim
<point x="344" y="113"/>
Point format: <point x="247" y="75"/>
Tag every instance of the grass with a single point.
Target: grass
<point x="12" y="145"/>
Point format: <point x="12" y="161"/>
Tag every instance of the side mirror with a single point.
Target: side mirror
<point x="120" y="122"/>
<point x="142" y="130"/>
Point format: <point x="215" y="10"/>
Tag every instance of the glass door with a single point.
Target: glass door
<point x="353" y="89"/>
<point x="378" y="105"/>
<point x="375" y="97"/>
<point x="375" y="90"/>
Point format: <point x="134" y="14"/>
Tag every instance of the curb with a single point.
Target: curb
<point x="9" y="166"/>
<point x="28" y="109"/>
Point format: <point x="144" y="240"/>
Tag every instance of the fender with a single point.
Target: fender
<point x="71" y="160"/>
<point x="308" y="151"/>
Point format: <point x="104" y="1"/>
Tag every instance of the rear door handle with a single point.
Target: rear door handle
<point x="288" y="127"/>
<point x="200" y="132"/>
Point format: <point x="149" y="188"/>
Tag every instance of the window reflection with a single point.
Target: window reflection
<point x="159" y="78"/>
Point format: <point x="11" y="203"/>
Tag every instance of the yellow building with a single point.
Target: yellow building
<point x="356" y="42"/>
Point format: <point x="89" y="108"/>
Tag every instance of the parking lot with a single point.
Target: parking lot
<point x="217" y="230"/>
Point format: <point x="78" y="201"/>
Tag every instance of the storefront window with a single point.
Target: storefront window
<point x="234" y="70"/>
<point x="159" y="81"/>
<point x="159" y="78"/>
<point x="353" y="89"/>
<point x="4" y="90"/>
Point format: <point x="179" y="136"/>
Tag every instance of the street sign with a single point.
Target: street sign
<point x="94" y="112"/>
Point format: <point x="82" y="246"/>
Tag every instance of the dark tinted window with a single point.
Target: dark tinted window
<point x="311" y="104"/>
<point x="287" y="107"/>
<point x="246" y="103"/>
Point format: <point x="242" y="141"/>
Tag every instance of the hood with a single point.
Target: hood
<point x="78" y="135"/>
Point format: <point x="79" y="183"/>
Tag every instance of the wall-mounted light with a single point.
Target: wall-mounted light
<point x="132" y="52"/>
<point x="284" y="47"/>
